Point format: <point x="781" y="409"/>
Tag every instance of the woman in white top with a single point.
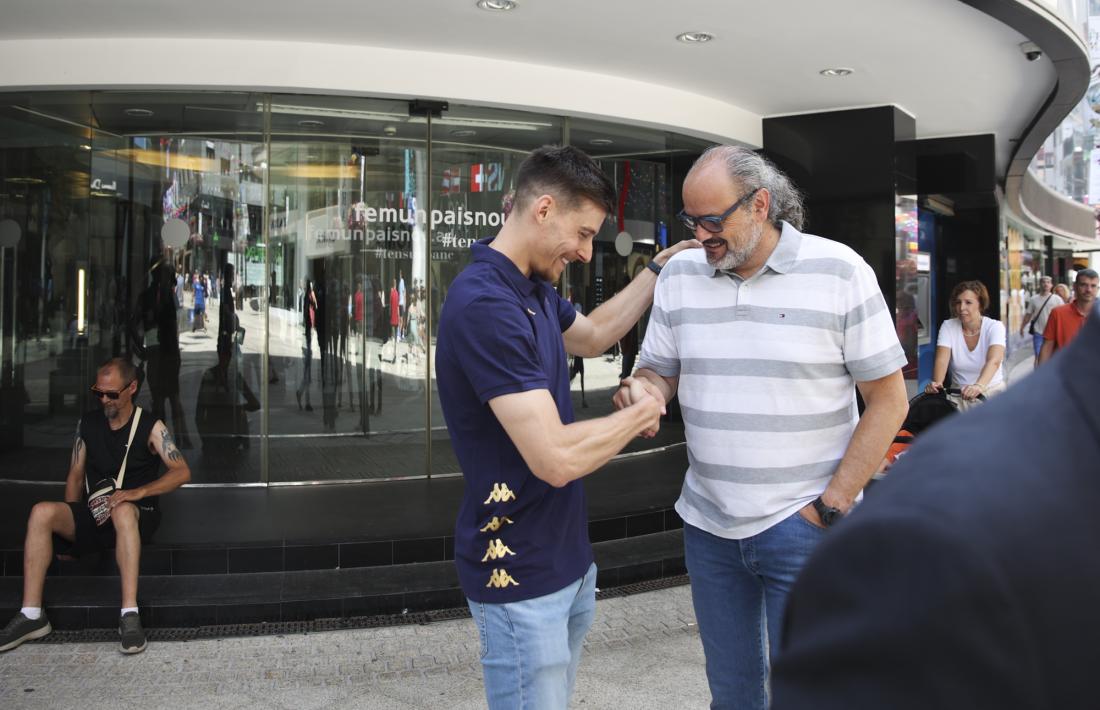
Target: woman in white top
<point x="970" y="345"/>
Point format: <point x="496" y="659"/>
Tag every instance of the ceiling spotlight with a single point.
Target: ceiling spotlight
<point x="464" y="133"/>
<point x="85" y="146"/>
<point x="138" y="112"/>
<point x="600" y="141"/>
<point x="836" y="71"/>
<point x="311" y="123"/>
<point x="694" y="37"/>
<point x="496" y="5"/>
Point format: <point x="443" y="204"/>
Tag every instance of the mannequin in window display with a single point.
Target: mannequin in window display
<point x="329" y="316"/>
<point x="309" y="315"/>
<point x="576" y="367"/>
<point x="416" y="320"/>
<point x="155" y="335"/>
<point x="395" y="317"/>
<point x="344" y="347"/>
<point x="373" y="356"/>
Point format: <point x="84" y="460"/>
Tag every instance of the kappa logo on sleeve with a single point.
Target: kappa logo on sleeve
<point x="501" y="493"/>
<point x="500" y="579"/>
<point x="496" y="523"/>
<point x="497" y="550"/>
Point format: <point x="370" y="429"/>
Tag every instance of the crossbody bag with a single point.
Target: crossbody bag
<point x="99" y="501"/>
<point x="1031" y="328"/>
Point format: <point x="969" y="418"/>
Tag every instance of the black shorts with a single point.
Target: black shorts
<point x="97" y="538"/>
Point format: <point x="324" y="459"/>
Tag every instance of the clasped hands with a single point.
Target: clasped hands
<point x="640" y="391"/>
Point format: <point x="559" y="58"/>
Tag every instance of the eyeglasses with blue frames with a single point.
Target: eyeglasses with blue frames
<point x="714" y="223"/>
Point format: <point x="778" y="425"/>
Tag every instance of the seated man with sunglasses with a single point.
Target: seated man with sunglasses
<point x="101" y="445"/>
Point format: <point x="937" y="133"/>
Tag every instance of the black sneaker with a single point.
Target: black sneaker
<point x="21" y="629"/>
<point x="133" y="636"/>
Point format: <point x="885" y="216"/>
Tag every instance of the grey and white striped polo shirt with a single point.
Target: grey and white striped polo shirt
<point x="767" y="367"/>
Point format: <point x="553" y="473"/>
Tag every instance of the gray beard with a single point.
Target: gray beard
<point x="734" y="258"/>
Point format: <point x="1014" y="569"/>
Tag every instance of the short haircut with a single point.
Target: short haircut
<point x="566" y="173"/>
<point x="1087" y="274"/>
<point x="123" y="367"/>
<point x="979" y="290"/>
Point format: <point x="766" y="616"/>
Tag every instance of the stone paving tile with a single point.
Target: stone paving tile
<point x="643" y="652"/>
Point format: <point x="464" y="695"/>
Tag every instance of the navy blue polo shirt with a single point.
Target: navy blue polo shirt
<point x="516" y="537"/>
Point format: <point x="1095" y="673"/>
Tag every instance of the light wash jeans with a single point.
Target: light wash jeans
<point x="530" y="650"/>
<point x="739" y="589"/>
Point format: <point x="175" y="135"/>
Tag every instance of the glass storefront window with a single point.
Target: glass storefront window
<point x="346" y="258"/>
<point x="475" y="155"/>
<point x="644" y="166"/>
<point x="275" y="264"/>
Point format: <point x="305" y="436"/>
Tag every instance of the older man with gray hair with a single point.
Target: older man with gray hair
<point x="764" y="334"/>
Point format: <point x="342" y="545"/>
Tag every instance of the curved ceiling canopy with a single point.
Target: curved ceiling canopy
<point x="956" y="66"/>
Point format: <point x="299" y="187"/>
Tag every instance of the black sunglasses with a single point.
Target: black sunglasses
<point x="713" y="223"/>
<point x="100" y="394"/>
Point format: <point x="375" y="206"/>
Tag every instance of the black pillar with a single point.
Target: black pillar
<point x="850" y="165"/>
<point x="961" y="172"/>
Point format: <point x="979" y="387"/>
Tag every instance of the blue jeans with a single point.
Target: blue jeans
<point x="739" y="589"/>
<point x="1037" y="342"/>
<point x="530" y="650"/>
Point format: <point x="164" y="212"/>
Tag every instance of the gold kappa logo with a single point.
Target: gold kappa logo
<point x="500" y="578"/>
<point x="501" y="494"/>
<point x="496" y="523"/>
<point x="497" y="549"/>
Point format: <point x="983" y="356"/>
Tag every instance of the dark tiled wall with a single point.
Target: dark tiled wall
<point x="214" y="559"/>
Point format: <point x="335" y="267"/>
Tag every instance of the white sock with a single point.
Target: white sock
<point x="31" y="612"/>
<point x="128" y="609"/>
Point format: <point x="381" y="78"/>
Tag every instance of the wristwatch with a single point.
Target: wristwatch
<point x="828" y="514"/>
<point x="653" y="266"/>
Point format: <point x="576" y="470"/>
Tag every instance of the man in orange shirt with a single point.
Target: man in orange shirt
<point x="1065" y="321"/>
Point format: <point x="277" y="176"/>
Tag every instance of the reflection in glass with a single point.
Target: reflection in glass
<point x="132" y="223"/>
<point x="347" y="260"/>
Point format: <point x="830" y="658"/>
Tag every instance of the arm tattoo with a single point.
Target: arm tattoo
<point x="78" y="447"/>
<point x="168" y="447"/>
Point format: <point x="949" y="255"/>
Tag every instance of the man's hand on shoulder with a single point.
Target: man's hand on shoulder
<point x="664" y="255"/>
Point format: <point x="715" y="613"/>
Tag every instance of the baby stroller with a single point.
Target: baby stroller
<point x="924" y="411"/>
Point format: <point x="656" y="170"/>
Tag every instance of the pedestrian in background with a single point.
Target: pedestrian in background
<point x="1065" y="321"/>
<point x="1039" y="307"/>
<point x="970" y="346"/>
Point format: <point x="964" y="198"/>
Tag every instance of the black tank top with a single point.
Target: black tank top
<point x="105" y="449"/>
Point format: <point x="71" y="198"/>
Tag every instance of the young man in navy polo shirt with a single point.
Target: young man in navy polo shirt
<point x="521" y="539"/>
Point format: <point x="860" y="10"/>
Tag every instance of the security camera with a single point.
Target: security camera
<point x="1031" y="51"/>
<point x="390" y="130"/>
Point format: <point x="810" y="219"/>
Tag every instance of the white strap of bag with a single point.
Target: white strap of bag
<point x="122" y="469"/>
<point x="133" y="430"/>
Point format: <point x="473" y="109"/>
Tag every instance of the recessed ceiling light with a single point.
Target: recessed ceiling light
<point x="311" y="123"/>
<point x="836" y="71"/>
<point x="694" y="37"/>
<point x="463" y="133"/>
<point x="496" y="5"/>
<point x="85" y="146"/>
<point x="138" y="112"/>
<point x="600" y="141"/>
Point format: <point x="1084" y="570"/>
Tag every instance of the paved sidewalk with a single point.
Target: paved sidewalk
<point x="643" y="651"/>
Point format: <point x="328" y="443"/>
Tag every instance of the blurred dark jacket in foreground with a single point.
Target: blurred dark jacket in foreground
<point x="970" y="578"/>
